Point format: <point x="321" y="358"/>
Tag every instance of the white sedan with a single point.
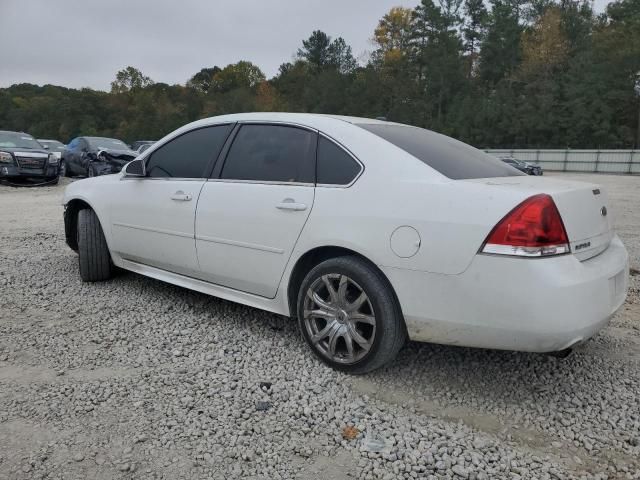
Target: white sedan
<point x="368" y="232"/>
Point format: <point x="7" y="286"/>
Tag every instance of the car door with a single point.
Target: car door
<point x="249" y="218"/>
<point x="153" y="217"/>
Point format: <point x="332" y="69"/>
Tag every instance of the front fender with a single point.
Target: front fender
<point x="83" y="194"/>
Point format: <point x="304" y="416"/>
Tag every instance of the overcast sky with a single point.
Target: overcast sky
<point x="82" y="43"/>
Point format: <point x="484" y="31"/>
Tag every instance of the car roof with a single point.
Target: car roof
<point x="11" y="131"/>
<point x="314" y="120"/>
<point x="91" y="136"/>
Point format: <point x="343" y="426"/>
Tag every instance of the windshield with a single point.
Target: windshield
<point x="453" y="159"/>
<point x="18" y="140"/>
<point x="54" y="145"/>
<point x="106" y="143"/>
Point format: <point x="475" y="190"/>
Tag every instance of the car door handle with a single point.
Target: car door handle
<point x="180" y="196"/>
<point x="290" y="204"/>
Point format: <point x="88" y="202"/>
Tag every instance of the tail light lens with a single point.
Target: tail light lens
<point x="532" y="229"/>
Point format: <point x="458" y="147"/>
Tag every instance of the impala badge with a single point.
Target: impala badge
<point x="580" y="246"/>
<point x="603" y="211"/>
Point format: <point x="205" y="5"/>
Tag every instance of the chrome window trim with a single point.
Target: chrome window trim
<point x="356" y="159"/>
<point x="278" y="123"/>
<point x="260" y="182"/>
<point x="166" y="179"/>
<point x="156" y="146"/>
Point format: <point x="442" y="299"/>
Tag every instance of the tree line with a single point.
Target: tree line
<point x="507" y="73"/>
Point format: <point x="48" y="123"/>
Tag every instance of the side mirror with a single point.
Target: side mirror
<point x="135" y="168"/>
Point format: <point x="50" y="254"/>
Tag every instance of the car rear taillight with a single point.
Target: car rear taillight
<point x="532" y="229"/>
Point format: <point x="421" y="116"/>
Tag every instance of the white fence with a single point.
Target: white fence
<point x="595" y="161"/>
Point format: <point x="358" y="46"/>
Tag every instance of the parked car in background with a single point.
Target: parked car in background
<point x="94" y="156"/>
<point x="55" y="147"/>
<point x="21" y="156"/>
<point x="526" y="167"/>
<point x="135" y="146"/>
<point x="365" y="231"/>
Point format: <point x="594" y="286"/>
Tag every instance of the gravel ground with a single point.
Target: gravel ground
<point x="135" y="378"/>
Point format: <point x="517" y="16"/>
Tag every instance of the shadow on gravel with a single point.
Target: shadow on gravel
<point x="448" y="371"/>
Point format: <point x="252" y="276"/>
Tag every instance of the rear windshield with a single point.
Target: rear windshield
<point x="450" y="157"/>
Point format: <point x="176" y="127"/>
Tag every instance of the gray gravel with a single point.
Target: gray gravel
<point x="134" y="378"/>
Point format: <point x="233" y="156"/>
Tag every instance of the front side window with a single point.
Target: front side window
<point x="335" y="165"/>
<point x="271" y="153"/>
<point x="188" y="155"/>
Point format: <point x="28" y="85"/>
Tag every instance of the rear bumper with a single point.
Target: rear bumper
<point x="536" y="305"/>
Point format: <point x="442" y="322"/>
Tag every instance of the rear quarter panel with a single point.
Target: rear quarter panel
<point x="452" y="217"/>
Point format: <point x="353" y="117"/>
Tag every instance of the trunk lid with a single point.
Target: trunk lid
<point x="586" y="217"/>
<point x="584" y="208"/>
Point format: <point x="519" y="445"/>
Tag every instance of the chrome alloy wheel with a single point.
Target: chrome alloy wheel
<point x="339" y="318"/>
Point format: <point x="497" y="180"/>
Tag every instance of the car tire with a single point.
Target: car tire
<point x="52" y="180"/>
<point x="94" y="258"/>
<point x="375" y="330"/>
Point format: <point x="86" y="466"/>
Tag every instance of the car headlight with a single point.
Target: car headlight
<point x="53" y="159"/>
<point x="6" y="157"/>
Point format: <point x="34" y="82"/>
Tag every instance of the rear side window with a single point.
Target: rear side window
<point x="271" y="153"/>
<point x="188" y="155"/>
<point x="335" y="166"/>
<point x="450" y="157"/>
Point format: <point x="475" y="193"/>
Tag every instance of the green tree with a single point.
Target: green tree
<point x="202" y="80"/>
<point x="321" y="52"/>
<point x="474" y="29"/>
<point x="437" y="51"/>
<point x="129" y="79"/>
<point x="236" y="75"/>
<point x="500" y="49"/>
